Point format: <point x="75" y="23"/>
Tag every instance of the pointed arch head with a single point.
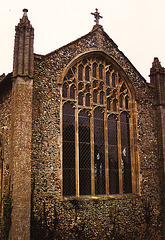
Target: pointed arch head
<point x="111" y="64"/>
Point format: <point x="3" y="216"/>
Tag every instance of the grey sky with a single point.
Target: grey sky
<point x="136" y="26"/>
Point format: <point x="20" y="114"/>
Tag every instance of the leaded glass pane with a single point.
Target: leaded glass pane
<point x="99" y="152"/>
<point x="84" y="154"/>
<point x="113" y="156"/>
<point x="72" y="92"/>
<point x="68" y="150"/>
<point x="126" y="161"/>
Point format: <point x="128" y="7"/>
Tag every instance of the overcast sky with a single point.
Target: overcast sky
<point x="136" y="26"/>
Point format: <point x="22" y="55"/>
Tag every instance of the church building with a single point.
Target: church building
<point x="82" y="142"/>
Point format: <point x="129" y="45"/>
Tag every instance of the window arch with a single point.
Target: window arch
<point x="97" y="129"/>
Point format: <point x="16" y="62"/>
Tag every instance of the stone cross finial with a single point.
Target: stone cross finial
<point x="25" y="12"/>
<point x="97" y="16"/>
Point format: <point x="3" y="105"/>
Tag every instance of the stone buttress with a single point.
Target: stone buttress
<point x="22" y="86"/>
<point x="157" y="76"/>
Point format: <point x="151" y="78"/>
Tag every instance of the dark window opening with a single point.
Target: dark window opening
<point x="108" y="104"/>
<point x="87" y="73"/>
<point x="95" y="96"/>
<point x="114" y="105"/>
<point x="107" y="79"/>
<point x="126" y="102"/>
<point x="72" y="92"/>
<point x="125" y="148"/>
<point x="99" y="152"/>
<point x="87" y="101"/>
<point x="120" y="101"/>
<point x="113" y="80"/>
<point x="113" y="156"/>
<point x="80" y="72"/>
<point x="101" y="97"/>
<point x="80" y="99"/>
<point x="84" y="154"/>
<point x="68" y="150"/>
<point x="101" y="71"/>
<point x="94" y="70"/>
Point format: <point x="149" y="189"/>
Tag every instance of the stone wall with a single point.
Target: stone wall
<point x="5" y="169"/>
<point x="121" y="217"/>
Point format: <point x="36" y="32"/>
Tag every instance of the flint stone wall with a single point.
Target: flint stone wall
<point x="131" y="217"/>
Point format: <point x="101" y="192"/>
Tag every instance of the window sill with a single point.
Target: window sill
<point x="102" y="197"/>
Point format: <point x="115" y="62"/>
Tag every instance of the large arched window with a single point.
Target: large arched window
<point x="97" y="122"/>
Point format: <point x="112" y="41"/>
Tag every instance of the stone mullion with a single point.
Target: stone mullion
<point x="135" y="168"/>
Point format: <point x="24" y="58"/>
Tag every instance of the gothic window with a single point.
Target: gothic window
<point x="96" y="117"/>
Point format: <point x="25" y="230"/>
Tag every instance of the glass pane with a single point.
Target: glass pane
<point x="94" y="69"/>
<point x="126" y="102"/>
<point x="72" y="92"/>
<point x="80" y="99"/>
<point x="108" y="104"/>
<point x="84" y="154"/>
<point x="87" y="102"/>
<point x="114" y="105"/>
<point x="107" y="79"/>
<point x="80" y="72"/>
<point x="120" y="101"/>
<point x="95" y="96"/>
<point x="87" y="73"/>
<point x="125" y="145"/>
<point x="113" y="156"/>
<point x="113" y="80"/>
<point x="101" y="97"/>
<point x="99" y="152"/>
<point x="101" y="71"/>
<point x="68" y="150"/>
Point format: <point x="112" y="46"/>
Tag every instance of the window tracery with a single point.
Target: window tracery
<point x="99" y="130"/>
